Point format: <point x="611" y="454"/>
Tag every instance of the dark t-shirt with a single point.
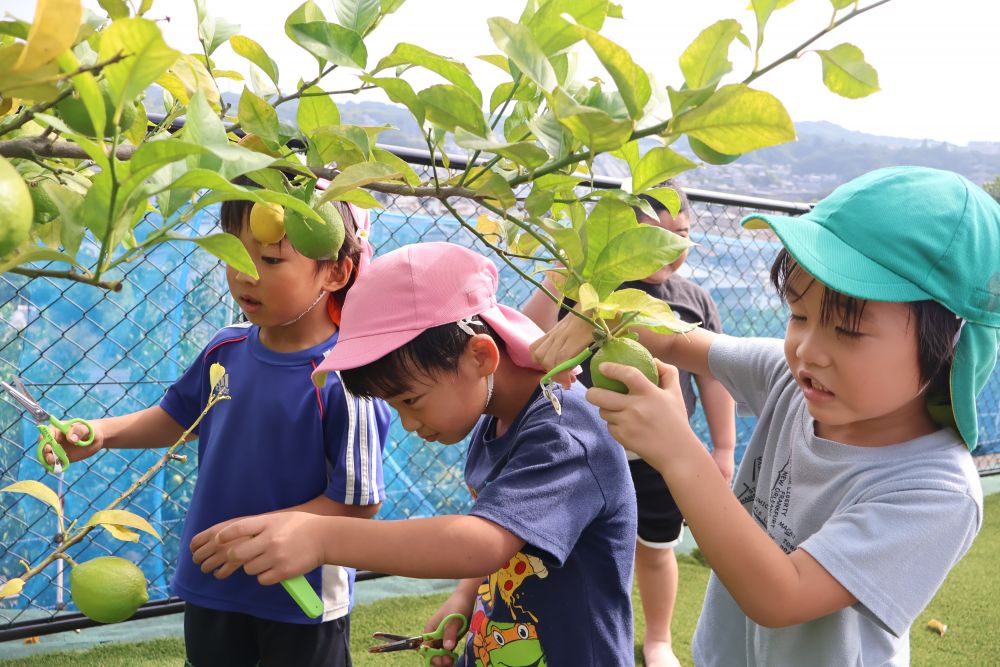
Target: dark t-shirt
<point x="562" y="484"/>
<point x="691" y="303"/>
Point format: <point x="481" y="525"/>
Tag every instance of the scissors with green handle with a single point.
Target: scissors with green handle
<point x="302" y="592"/>
<point x="418" y="643"/>
<point x="43" y="420"/>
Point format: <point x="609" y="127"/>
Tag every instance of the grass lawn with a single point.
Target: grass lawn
<point x="967" y="604"/>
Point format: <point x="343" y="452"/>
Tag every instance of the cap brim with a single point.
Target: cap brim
<point x="975" y="358"/>
<point x="356" y="352"/>
<point x="834" y="262"/>
<point x="517" y="331"/>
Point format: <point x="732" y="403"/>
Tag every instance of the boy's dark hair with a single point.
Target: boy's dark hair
<point x="936" y="325"/>
<point x="235" y="216"/>
<point x="434" y="351"/>
<point x="658" y="205"/>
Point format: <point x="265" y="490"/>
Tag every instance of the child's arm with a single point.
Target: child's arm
<point x="287" y="544"/>
<point x="540" y="309"/>
<point x="571" y="334"/>
<point x="144" y="429"/>
<point x="773" y="588"/>
<point x="720" y="414"/>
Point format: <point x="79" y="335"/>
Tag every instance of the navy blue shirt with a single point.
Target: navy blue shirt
<point x="278" y="442"/>
<point x="562" y="484"/>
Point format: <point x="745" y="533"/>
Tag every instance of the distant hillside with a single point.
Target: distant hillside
<point x="825" y="155"/>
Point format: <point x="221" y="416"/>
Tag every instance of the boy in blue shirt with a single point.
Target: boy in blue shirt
<point x="545" y="554"/>
<point x="279" y="444"/>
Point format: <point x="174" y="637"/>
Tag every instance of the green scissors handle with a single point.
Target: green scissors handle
<point x="64" y="426"/>
<point x="302" y="592"/>
<point x="418" y="643"/>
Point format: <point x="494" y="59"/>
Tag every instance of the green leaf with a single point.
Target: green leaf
<point x="846" y="73"/>
<point x="401" y="92"/>
<point x="124" y="517"/>
<point x="360" y="198"/>
<point x="837" y="4"/>
<point x="551" y="133"/>
<point x="497" y="61"/>
<point x="633" y="255"/>
<point x="358" y="15"/>
<point x="538" y="202"/>
<point x="608" y="219"/>
<point x="632" y="81"/>
<point x="87" y="88"/>
<point x="449" y="107"/>
<point x="656" y="166"/>
<point x="35" y="254"/>
<point x="520" y="46"/>
<point x="255" y="53"/>
<point x="116" y="9"/>
<point x="452" y="70"/>
<point x="706" y="60"/>
<point x="595" y="128"/>
<point x="736" y="120"/>
<point x="226" y="247"/>
<point x="258" y="117"/>
<point x="212" y="31"/>
<point x="316" y="110"/>
<point x="524" y="153"/>
<point x="330" y="42"/>
<point x="709" y="155"/>
<point x="763" y="9"/>
<point x="555" y="34"/>
<point x="497" y="189"/>
<point x="359" y="175"/>
<point x="389" y="6"/>
<point x="655" y="314"/>
<point x="36" y="490"/>
<point x="397" y="163"/>
<point x="668" y="197"/>
<point x="588" y="297"/>
<point x="147" y="57"/>
<point x="93" y="150"/>
<point x="569" y="241"/>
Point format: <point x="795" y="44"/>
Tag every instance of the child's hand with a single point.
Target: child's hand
<point x="73" y="451"/>
<point x="206" y="550"/>
<point x="457" y="603"/>
<point x="564" y="341"/>
<point x="648" y="418"/>
<point x="271" y="547"/>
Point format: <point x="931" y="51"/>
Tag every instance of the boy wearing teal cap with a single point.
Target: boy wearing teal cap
<point x="857" y="493"/>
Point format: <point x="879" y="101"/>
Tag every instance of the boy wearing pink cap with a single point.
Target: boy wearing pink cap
<point x="549" y="540"/>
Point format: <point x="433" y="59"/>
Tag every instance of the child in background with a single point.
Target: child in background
<point x="660" y="521"/>
<point x="279" y="444"/>
<point x="545" y="553"/>
<point x="857" y="493"/>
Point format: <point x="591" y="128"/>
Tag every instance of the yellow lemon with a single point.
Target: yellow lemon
<point x="16" y="208"/>
<point x="314" y="239"/>
<point x="267" y="222"/>
<point x="622" y="351"/>
<point x="108" y="589"/>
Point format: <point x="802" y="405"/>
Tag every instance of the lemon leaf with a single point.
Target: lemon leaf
<point x="36" y="490"/>
<point x="11" y="588"/>
<point x="215" y="374"/>
<point x="588" y="297"/>
<point x="53" y="30"/>
<point x="488" y="227"/>
<point x="122" y="533"/>
<point x="121" y="518"/>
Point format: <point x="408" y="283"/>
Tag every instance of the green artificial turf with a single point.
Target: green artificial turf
<point x="967" y="603"/>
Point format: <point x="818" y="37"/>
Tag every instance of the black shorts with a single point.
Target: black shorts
<point x="660" y="521"/>
<point x="228" y="639"/>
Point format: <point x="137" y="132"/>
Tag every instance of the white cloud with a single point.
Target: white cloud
<point x="938" y="63"/>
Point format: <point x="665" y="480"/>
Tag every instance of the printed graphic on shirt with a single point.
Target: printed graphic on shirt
<point x="771" y="511"/>
<point x="505" y="644"/>
<point x="504" y="628"/>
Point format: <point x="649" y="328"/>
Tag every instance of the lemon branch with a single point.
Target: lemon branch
<point x="74" y="537"/>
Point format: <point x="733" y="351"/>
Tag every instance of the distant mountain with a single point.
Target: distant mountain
<point x="824" y="156"/>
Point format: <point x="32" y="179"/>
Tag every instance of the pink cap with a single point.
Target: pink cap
<point x="405" y="292"/>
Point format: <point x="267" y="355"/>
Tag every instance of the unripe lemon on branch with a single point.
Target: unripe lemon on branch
<point x="108" y="589"/>
<point x="622" y="351"/>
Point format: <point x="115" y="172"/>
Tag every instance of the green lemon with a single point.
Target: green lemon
<point x="622" y="351"/>
<point x="313" y="239"/>
<point x="45" y="209"/>
<point x="267" y="222"/>
<point x="16" y="208"/>
<point x="74" y="113"/>
<point x="108" y="589"/>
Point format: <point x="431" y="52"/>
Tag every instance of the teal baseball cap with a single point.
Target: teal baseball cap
<point x="911" y="234"/>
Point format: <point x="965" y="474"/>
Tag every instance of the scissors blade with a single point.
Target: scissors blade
<point x="20" y="394"/>
<point x="396" y="643"/>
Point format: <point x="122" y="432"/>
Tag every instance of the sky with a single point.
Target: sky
<point x="938" y="62"/>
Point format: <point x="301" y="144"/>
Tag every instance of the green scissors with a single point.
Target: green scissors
<point x="42" y="420"/>
<point x="418" y="642"/>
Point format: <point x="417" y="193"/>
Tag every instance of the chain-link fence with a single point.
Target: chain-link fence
<point x="88" y="353"/>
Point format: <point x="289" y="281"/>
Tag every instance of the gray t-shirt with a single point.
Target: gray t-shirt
<point x="887" y="522"/>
